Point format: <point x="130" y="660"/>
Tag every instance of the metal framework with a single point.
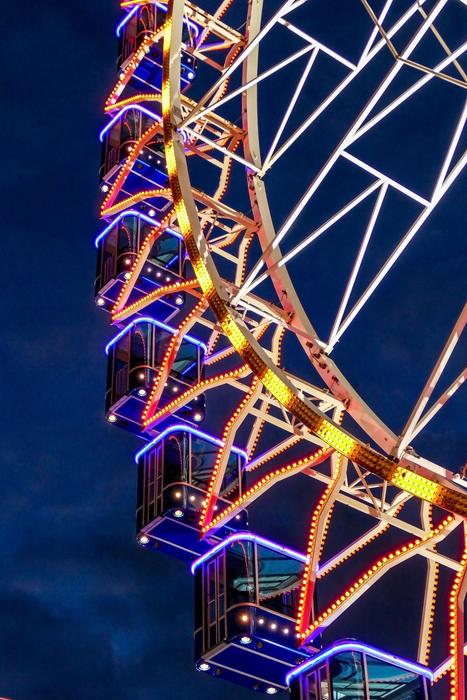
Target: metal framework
<point x="243" y="294"/>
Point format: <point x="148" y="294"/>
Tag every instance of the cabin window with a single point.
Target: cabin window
<point x="323" y="683"/>
<point x="347" y="676"/>
<point x="240" y="573"/>
<point x="185" y="366"/>
<point x="312" y="688"/>
<point x="387" y="681"/>
<point x="279" y="581"/>
<point x="176" y="466"/>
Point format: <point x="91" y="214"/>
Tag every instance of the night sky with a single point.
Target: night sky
<point x="84" y="612"/>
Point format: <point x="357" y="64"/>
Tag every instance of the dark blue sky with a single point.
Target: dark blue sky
<point x="84" y="613"/>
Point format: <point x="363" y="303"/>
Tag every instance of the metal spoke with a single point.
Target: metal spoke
<point x="271" y="71"/>
<point x="292" y="103"/>
<point x="238" y="62"/>
<point x="251" y="282"/>
<point x="357" y="264"/>
<point x="338" y="90"/>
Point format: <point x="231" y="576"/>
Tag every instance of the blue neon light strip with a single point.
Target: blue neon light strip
<point x="187" y="369"/>
<point x="115" y="119"/>
<point x="133" y="212"/>
<point x="159" y="324"/>
<point x="127" y="17"/>
<point x="249" y="537"/>
<point x="186" y="429"/>
<point x="364" y="648"/>
<point x="144" y="110"/>
<point x="162" y="7"/>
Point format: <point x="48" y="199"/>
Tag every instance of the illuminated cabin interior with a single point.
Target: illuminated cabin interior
<point x="174" y="471"/>
<point x="131" y="32"/>
<point x="350" y="670"/>
<point x="246" y="600"/>
<point x="117" y="248"/>
<point x="134" y="357"/>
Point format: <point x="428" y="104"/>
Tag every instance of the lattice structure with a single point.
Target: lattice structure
<point x="208" y="175"/>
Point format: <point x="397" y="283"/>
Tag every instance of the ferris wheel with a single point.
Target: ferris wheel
<point x="282" y="194"/>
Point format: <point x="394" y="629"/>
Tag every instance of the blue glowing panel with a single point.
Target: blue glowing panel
<point x="379" y="654"/>
<point x="248" y="537"/>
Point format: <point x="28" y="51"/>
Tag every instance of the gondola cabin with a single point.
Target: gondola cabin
<point x="135" y="356"/>
<point x="246" y="603"/>
<point x="133" y="137"/>
<point x="174" y="471"/>
<point x="348" y="670"/>
<point x="141" y="22"/>
<point x="118" y="246"/>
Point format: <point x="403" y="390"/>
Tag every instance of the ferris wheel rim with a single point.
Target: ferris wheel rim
<point x="330" y="373"/>
<point x="315" y="349"/>
<point x="209" y="278"/>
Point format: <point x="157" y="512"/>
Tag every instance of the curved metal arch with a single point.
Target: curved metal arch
<point x="415" y="480"/>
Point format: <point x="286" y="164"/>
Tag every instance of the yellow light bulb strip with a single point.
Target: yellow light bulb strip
<point x="430" y="601"/>
<point x="224" y="181"/>
<point x="316" y="538"/>
<point x="376" y="532"/>
<point x="211" y="345"/>
<point x="132" y="3"/>
<point x="221" y="355"/>
<point x="127" y="72"/>
<point x="352" y="592"/>
<point x="456" y="630"/>
<point x="260" y="421"/>
<point x="195" y="390"/>
<point x="215" y="482"/>
<point x="163" y="192"/>
<point x="431" y="615"/>
<point x="150" y="298"/>
<point x="229" y="240"/>
<point x="161" y="378"/>
<point x="244" y="257"/>
<point x="266" y="482"/>
<point x="273" y="380"/>
<point x="169" y="357"/>
<point x="258" y="428"/>
<point x="134" y="99"/>
<point x="271" y="454"/>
